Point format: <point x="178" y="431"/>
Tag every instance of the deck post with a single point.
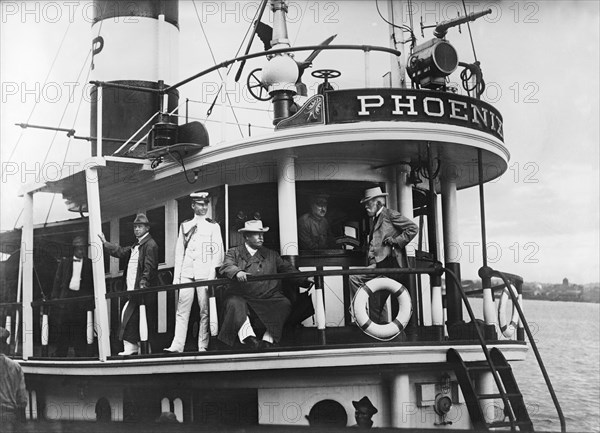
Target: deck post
<point x="27" y="279"/>
<point x="486" y="385"/>
<point x="451" y="243"/>
<point x="95" y="228"/>
<point x="400" y="406"/>
<point x="405" y="207"/>
<point x="286" y="200"/>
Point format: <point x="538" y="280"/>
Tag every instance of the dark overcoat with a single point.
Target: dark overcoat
<point x="146" y="276"/>
<point x="70" y="320"/>
<point x="265" y="298"/>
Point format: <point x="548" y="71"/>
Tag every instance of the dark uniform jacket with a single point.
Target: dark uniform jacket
<point x="146" y="276"/>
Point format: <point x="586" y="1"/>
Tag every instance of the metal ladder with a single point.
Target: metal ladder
<point x="516" y="405"/>
<point x="509" y="392"/>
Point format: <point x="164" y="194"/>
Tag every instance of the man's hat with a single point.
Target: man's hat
<point x="365" y="403"/>
<point x="141" y="219"/>
<point x="319" y="198"/>
<point x="4" y="334"/>
<point x="254" y="226"/>
<point x="373" y="193"/>
<point x="200" y="196"/>
<point x="79" y="241"/>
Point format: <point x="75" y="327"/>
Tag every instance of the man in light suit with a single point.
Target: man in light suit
<point x="198" y="253"/>
<point x="390" y="233"/>
<point x="73" y="279"/>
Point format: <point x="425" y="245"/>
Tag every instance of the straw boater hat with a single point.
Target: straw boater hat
<point x="254" y="226"/>
<point x="79" y="241"/>
<point x="365" y="403"/>
<point x="200" y="196"/>
<point x="141" y="219"/>
<point x="373" y="193"/>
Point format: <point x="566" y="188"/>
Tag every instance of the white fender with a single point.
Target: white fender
<point x="508" y="330"/>
<point x="360" y="302"/>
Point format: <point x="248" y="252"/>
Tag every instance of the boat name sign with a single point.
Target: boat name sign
<point x="345" y="106"/>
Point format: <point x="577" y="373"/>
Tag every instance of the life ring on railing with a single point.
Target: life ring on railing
<point x="507" y="329"/>
<point x="360" y="302"/>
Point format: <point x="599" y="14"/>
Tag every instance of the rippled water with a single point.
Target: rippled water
<point x="568" y="337"/>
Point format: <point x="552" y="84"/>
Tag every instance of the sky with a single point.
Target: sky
<point x="540" y="62"/>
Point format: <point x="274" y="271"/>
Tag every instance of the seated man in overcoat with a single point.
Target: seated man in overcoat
<point x="262" y="301"/>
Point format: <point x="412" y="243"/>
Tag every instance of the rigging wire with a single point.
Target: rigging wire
<point x="402" y="27"/>
<point x="45" y="82"/>
<point x="470" y="34"/>
<point x="73" y="128"/>
<point x="472" y="69"/>
<point x="219" y="72"/>
<point x="410" y="17"/>
<point x="301" y="21"/>
<point x="209" y="111"/>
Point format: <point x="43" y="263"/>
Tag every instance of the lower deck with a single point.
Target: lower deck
<point x="278" y="386"/>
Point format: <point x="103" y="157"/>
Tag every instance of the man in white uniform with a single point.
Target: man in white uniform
<point x="198" y="253"/>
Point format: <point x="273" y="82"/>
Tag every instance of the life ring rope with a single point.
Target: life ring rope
<point x="387" y="331"/>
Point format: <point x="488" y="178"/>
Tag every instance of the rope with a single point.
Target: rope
<point x="470" y="34"/>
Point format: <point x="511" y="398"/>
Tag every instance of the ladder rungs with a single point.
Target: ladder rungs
<point x="491" y="396"/>
<point x="508" y="424"/>
<point x="487" y="368"/>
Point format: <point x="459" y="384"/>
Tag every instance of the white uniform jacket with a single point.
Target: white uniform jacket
<point x="199" y="250"/>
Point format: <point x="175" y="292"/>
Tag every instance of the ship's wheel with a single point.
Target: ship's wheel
<point x="326" y="75"/>
<point x="256" y="87"/>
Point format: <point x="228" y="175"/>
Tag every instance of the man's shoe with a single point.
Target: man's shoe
<point x="267" y="344"/>
<point x="171" y="350"/>
<point x="251" y="343"/>
<point x="129" y="349"/>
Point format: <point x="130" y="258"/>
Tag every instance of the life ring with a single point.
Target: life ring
<point x="507" y="329"/>
<point x="360" y="302"/>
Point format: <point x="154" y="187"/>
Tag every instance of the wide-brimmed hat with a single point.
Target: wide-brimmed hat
<point x="365" y="403"/>
<point x="200" y="196"/>
<point x="141" y="219"/>
<point x="79" y="241"/>
<point x="255" y="226"/>
<point x="373" y="193"/>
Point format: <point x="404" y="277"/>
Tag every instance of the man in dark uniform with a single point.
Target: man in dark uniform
<point x="263" y="300"/>
<point x="141" y="272"/>
<point x="73" y="279"/>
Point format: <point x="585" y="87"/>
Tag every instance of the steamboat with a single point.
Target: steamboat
<point x="435" y="364"/>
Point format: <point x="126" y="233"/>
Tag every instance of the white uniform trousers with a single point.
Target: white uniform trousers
<point x="184" y="305"/>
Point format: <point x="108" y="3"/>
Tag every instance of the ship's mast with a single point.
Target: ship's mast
<point x="398" y="64"/>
